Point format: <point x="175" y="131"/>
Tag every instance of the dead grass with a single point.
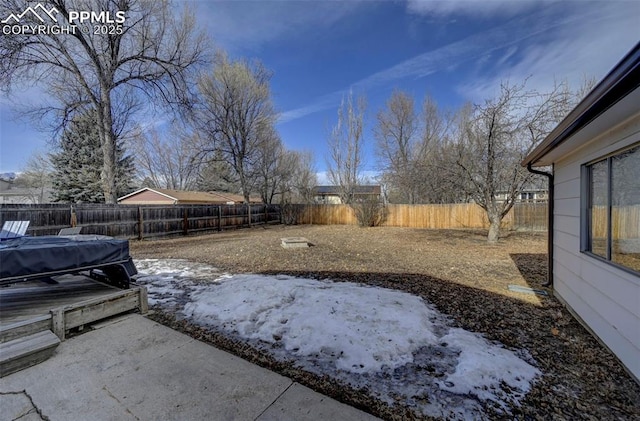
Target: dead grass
<point x="461" y="256"/>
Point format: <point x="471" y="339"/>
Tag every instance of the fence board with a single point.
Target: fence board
<point x="125" y="221"/>
<point x="529" y="216"/>
<point x="625" y="222"/>
<point x="133" y="221"/>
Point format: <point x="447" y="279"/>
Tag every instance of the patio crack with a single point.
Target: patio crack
<point x="124" y="407"/>
<point x="274" y="401"/>
<point x="30" y="411"/>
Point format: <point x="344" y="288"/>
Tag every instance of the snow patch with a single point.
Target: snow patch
<point x="391" y="342"/>
<point x="360" y="328"/>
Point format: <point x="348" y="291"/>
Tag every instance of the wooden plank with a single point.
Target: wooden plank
<point x="63" y="318"/>
<point x="89" y="311"/>
<point x="57" y="323"/>
<point x="25" y="328"/>
<point x="26" y="351"/>
<point x="143" y="304"/>
<point x="25" y="300"/>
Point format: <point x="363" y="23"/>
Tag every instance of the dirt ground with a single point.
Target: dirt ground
<point x="458" y="272"/>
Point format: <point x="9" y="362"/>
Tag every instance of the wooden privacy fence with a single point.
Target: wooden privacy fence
<point x="523" y="216"/>
<point x="133" y="221"/>
<point x="530" y="216"/>
<point x="625" y="222"/>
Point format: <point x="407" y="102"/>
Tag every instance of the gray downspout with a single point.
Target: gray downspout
<point x="549" y="224"/>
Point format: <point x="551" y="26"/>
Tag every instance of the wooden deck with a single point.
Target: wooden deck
<point x="27" y="300"/>
<point x="35" y="316"/>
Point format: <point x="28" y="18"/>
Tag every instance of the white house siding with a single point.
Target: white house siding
<point x="606" y="298"/>
<point x="328" y="200"/>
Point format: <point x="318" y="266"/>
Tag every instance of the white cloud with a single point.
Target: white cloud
<point x="323" y="178"/>
<point x="572" y="41"/>
<point x="322" y="103"/>
<point x="242" y="25"/>
<point x="473" y="8"/>
<point x="586" y="46"/>
<point x="474" y="47"/>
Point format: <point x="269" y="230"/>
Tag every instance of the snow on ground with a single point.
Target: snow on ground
<point x="393" y="343"/>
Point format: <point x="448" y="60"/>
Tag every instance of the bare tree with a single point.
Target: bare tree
<point x="216" y="174"/>
<point x="275" y="168"/>
<point x="151" y="53"/>
<point x="237" y="115"/>
<point x="494" y="138"/>
<point x="432" y="155"/>
<point x="167" y="162"/>
<point x="396" y="134"/>
<point x="409" y="149"/>
<point x="346" y="143"/>
<point x="296" y="183"/>
<point x="35" y="177"/>
<point x="304" y="177"/>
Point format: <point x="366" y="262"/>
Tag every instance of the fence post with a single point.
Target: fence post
<point x="74" y="217"/>
<point x="140" y="224"/>
<point x="57" y="322"/>
<point x="249" y="213"/>
<point x="219" y="218"/>
<point x="185" y="221"/>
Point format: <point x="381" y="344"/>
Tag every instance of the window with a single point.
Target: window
<point x="611" y="208"/>
<point x="526" y="196"/>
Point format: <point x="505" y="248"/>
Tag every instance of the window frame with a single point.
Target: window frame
<point x="586" y="206"/>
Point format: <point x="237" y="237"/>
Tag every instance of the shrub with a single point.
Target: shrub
<point x="291" y="213"/>
<point x="369" y="212"/>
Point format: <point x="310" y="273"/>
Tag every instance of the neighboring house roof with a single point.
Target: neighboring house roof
<point x="182" y="196"/>
<point x="611" y="102"/>
<point x="335" y="190"/>
<point x="542" y="191"/>
<point x="5" y="185"/>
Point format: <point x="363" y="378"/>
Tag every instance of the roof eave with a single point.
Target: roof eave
<point x="623" y="79"/>
<point x="126" y="196"/>
<point x="146" y="189"/>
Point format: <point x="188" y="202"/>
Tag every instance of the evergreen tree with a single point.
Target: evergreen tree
<point x="79" y="161"/>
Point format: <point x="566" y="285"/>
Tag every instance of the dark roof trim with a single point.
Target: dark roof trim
<point x="623" y="79"/>
<point x="369" y="189"/>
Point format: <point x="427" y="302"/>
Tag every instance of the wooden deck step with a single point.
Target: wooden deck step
<point x="26" y="351"/>
<point x="24" y="328"/>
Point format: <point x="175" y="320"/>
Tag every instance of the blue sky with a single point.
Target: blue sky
<point x="456" y="51"/>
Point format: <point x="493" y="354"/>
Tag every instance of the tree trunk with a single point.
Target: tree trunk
<point x="108" y="151"/>
<point x="494" y="228"/>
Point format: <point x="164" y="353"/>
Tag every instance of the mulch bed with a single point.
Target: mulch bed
<point x="456" y="271"/>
